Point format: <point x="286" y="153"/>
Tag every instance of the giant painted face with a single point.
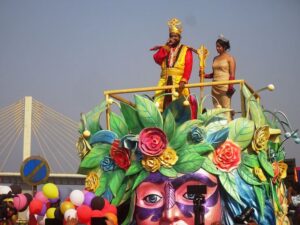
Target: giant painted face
<point x="162" y="200"/>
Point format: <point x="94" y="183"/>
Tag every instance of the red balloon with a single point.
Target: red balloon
<point x="35" y="206"/>
<point x="84" y="213"/>
<point x="97" y="213"/>
<point x="112" y="209"/>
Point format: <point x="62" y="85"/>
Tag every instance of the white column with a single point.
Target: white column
<point x="27" y="127"/>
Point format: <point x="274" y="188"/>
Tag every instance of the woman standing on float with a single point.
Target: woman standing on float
<point x="223" y="70"/>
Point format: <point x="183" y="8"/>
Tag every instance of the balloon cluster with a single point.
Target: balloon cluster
<point x="81" y="205"/>
<point x="12" y="200"/>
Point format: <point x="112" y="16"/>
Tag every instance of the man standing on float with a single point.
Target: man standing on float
<point x="176" y="61"/>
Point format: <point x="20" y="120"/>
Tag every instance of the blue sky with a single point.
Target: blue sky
<point x="65" y="53"/>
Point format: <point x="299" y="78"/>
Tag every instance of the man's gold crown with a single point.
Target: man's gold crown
<point x="175" y="26"/>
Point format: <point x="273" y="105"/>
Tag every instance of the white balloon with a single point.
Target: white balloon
<point x="70" y="213"/>
<point x="4" y="190"/>
<point x="77" y="197"/>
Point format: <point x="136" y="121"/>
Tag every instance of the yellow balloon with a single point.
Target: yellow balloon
<point x="65" y="206"/>
<point x="50" y="213"/>
<point x="50" y="190"/>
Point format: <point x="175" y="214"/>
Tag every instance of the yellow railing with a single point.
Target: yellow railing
<point x="114" y="93"/>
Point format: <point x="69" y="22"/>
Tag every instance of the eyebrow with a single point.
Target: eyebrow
<point x="193" y="177"/>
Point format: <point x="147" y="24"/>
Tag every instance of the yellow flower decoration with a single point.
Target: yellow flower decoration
<point x="282" y="170"/>
<point x="260" y="139"/>
<point x="168" y="158"/>
<point x="151" y="164"/>
<point x="260" y="174"/>
<point x="92" y="181"/>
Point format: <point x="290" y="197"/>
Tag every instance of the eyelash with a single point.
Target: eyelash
<point x="152" y="198"/>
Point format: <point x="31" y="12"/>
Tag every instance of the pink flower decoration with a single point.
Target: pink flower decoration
<point x="227" y="157"/>
<point x="152" y="141"/>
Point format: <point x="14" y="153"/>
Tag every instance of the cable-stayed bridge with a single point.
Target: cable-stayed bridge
<point x="30" y="128"/>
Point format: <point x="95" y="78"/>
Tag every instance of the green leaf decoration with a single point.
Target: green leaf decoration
<point x="208" y="116"/>
<point x="94" y="157"/>
<point x="188" y="163"/>
<point x="142" y="176"/>
<point x="93" y="116"/>
<point x="256" y="111"/>
<point x="169" y="125"/>
<point x="148" y="112"/>
<point x="259" y="192"/>
<point x="248" y="176"/>
<point x="168" y="172"/>
<point x="215" y="126"/>
<point x="120" y="194"/>
<point x="263" y="160"/>
<point x="228" y="182"/>
<point x="181" y="134"/>
<point x="116" y="180"/>
<point x="134" y="168"/>
<point x="275" y="196"/>
<point x="102" y="183"/>
<point x="132" y="119"/>
<point x="201" y="148"/>
<point x="241" y="131"/>
<point x="210" y="167"/>
<point x="118" y="125"/>
<point x="250" y="160"/>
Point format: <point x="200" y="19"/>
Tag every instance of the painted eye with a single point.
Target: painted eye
<point x="153" y="198"/>
<point x="189" y="196"/>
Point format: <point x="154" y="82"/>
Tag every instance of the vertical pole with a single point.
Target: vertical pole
<point x="27" y="127"/>
<point x="107" y="112"/>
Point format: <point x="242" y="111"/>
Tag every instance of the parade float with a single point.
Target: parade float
<point x="157" y="163"/>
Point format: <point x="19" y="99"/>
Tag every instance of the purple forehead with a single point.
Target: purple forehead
<point x="158" y="178"/>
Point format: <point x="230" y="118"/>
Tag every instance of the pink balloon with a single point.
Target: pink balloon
<point x="88" y="196"/>
<point x="40" y="196"/>
<point x="20" y="201"/>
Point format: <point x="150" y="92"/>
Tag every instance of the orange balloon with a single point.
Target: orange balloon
<point x="112" y="218"/>
<point x="65" y="206"/>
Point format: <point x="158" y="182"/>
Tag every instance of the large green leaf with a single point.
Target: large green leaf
<point x="132" y="119"/>
<point x="94" y="157"/>
<point x="208" y="116"/>
<point x="248" y="176"/>
<point x="92" y="118"/>
<point x="201" y="148"/>
<point x="241" y="131"/>
<point x="208" y="166"/>
<point x="118" y="125"/>
<point x="228" y="182"/>
<point x="256" y="111"/>
<point x="250" y="160"/>
<point x="188" y="163"/>
<point x="148" y="112"/>
<point x="102" y="183"/>
<point x="259" y="192"/>
<point x="180" y="136"/>
<point x="120" y="194"/>
<point x="134" y="168"/>
<point x="168" y="172"/>
<point x="140" y="178"/>
<point x="116" y="181"/>
<point x="169" y="125"/>
<point x="215" y="126"/>
<point x="265" y="164"/>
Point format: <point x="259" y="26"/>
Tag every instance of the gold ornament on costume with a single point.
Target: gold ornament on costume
<point x="92" y="181"/>
<point x="83" y="147"/>
<point x="175" y="26"/>
<point x="261" y="138"/>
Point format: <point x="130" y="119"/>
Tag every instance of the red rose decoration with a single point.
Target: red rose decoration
<point x="227" y="157"/>
<point x="152" y="141"/>
<point x="120" y="155"/>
